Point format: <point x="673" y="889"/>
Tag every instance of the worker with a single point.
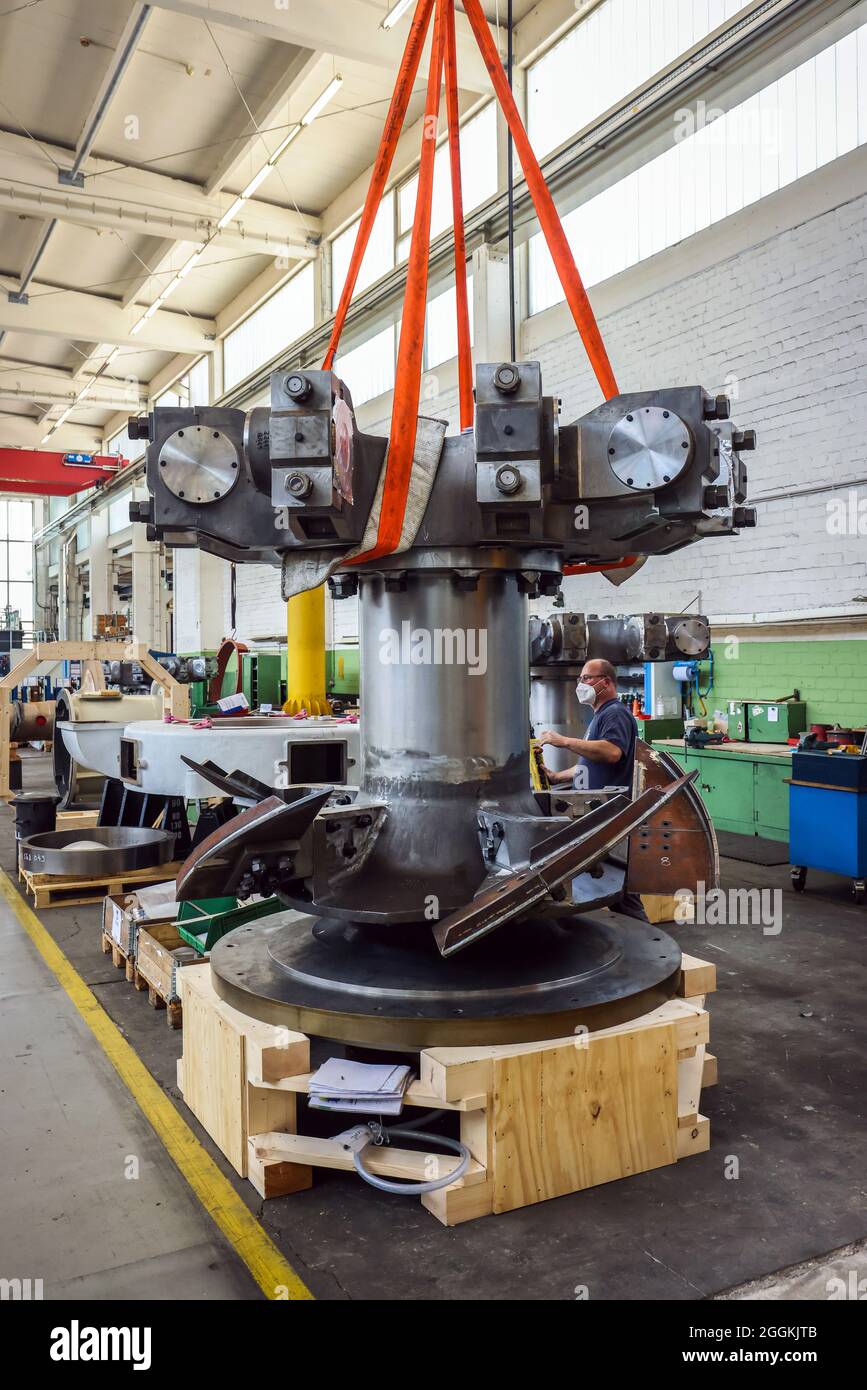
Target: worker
<point x="606" y="755"/>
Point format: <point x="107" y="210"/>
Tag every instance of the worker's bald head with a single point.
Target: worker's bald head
<point x="603" y="678"/>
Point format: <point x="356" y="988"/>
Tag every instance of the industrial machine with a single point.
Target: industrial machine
<point x="561" y="643"/>
<point x="435" y="899"/>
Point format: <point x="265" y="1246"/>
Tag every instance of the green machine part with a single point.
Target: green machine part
<point x="737" y="726"/>
<point x="775" y="721"/>
<point x="342" y="671"/>
<point x="659" y="727"/>
<point x="263" y="681"/>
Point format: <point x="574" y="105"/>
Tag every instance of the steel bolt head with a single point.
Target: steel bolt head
<point x="298" y="386"/>
<point x="508" y="480"/>
<point x="299" y="485"/>
<point x="507" y="378"/>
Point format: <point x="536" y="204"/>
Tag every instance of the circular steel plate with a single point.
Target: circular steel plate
<point x="528" y="981"/>
<point x="690" y="636"/>
<point x="111" y="850"/>
<point x="199" y="464"/>
<point x="649" y="448"/>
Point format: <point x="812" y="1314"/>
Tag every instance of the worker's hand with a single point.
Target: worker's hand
<point x="555" y="740"/>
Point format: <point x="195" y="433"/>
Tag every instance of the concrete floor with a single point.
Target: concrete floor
<point x="787" y="1025"/>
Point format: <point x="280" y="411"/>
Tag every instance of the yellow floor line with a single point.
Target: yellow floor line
<point x="274" y="1275"/>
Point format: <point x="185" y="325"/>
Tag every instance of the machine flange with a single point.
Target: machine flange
<point x="532" y="980"/>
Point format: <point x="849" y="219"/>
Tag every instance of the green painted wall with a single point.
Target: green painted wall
<point x="831" y="676"/>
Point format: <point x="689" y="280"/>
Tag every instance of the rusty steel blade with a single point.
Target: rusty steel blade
<point x="219" y="862"/>
<point x="565" y="854"/>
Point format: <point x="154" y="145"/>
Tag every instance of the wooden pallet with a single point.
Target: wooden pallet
<point x="540" y="1119"/>
<point x="52" y="890"/>
<point x="119" y="957"/>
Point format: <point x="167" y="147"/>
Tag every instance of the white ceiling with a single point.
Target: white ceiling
<point x="169" y="140"/>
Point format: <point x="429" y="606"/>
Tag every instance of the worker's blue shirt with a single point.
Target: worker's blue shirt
<point x="614" y="723"/>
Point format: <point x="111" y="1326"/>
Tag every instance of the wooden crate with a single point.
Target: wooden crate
<point x="52" y="890"/>
<point x="540" y="1119"/>
<point x="229" y="1074"/>
<point x="157" y="971"/>
<point x="76" y="820"/>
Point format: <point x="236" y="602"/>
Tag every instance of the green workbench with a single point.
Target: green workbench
<point x="743" y="785"/>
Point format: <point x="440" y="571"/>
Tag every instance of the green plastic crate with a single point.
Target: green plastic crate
<point x="202" y="923"/>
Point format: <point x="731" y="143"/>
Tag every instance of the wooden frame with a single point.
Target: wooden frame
<point x="540" y="1119"/>
<point x="176" y="697"/>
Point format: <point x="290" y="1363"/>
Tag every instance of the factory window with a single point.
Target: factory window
<point x="441" y="329"/>
<point x="197" y="383"/>
<point x="118" y="513"/>
<point x="121" y="445"/>
<point x="478" y="178"/>
<point x="189" y="389"/>
<point x="368" y="370"/>
<point x="16" y="564"/>
<point x="270" y="329"/>
<point x="609" y="54"/>
<point x="792" y="127"/>
<point x="378" y="258"/>
<point x="168" y="399"/>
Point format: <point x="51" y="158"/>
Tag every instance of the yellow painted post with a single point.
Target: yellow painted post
<point x="305" y="653"/>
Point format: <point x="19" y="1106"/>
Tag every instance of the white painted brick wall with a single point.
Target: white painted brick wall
<point x="783" y="328"/>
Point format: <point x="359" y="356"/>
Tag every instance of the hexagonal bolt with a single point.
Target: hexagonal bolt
<point x="343" y="585"/>
<point x="743" y="440"/>
<point x="715" y="497"/>
<point x="299" y="485"/>
<point x="717" y="408"/>
<point x="508" y="480"/>
<point x="138" y="427"/>
<point x="298" y="386"/>
<point x="507" y="378"/>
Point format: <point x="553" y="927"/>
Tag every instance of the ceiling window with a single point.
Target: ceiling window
<point x="378" y="258"/>
<point x="609" y="54"/>
<point x="441" y="329"/>
<point x="792" y="127"/>
<point x="478" y="179"/>
<point x="368" y="370"/>
<point x="271" y="329"/>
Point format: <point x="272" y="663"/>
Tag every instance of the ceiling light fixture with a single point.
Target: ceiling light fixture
<point x="322" y="100"/>
<point x="258" y="178"/>
<point x="394" y="14"/>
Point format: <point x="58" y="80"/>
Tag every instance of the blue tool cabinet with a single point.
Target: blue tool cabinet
<point x="828" y="817"/>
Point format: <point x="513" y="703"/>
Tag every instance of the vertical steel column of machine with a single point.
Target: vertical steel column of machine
<point x="445" y="694"/>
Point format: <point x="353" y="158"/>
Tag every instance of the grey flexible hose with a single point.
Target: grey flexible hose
<point x="415" y="1189"/>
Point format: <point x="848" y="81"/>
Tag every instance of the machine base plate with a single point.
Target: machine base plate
<point x="532" y="980"/>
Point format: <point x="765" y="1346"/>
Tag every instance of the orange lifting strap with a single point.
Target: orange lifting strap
<point x="407" y="388"/>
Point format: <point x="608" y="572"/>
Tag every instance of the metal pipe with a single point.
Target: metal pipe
<point x="134" y="30"/>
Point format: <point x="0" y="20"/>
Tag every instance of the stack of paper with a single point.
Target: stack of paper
<point x="352" y="1086"/>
